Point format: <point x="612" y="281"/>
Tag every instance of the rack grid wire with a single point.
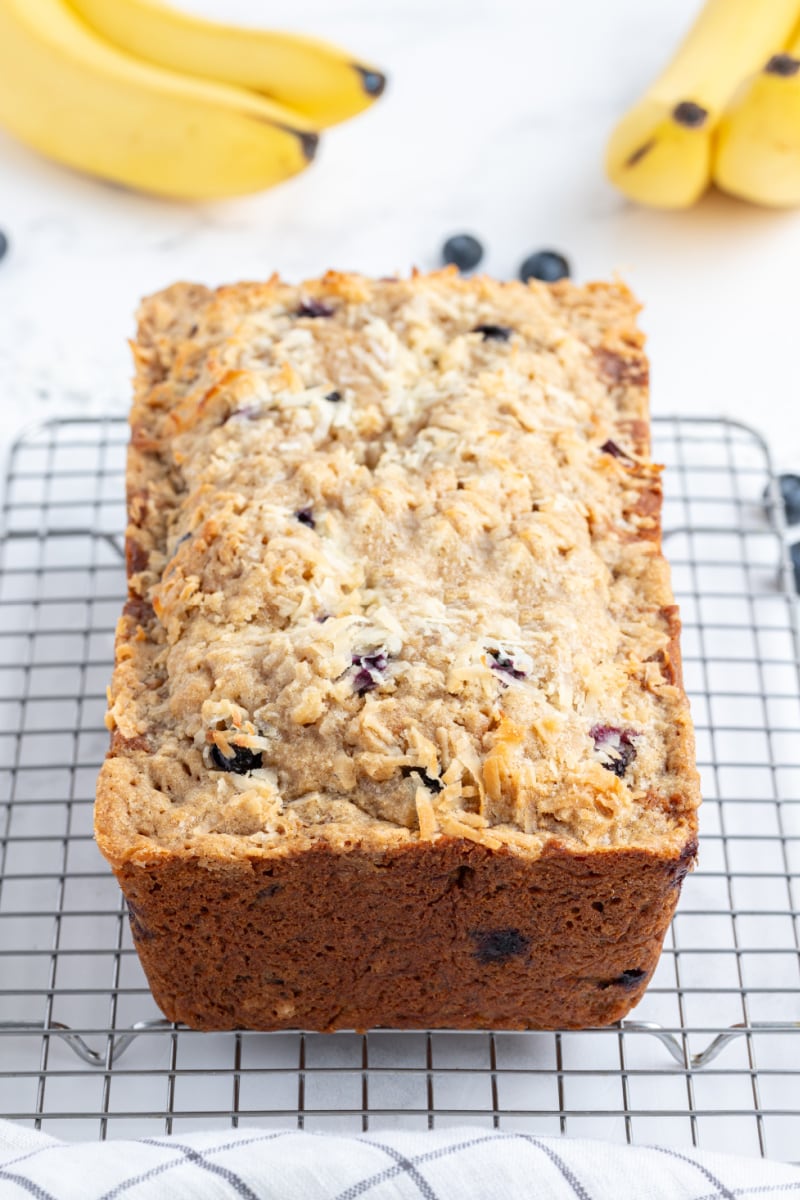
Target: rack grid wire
<point x="711" y="1056"/>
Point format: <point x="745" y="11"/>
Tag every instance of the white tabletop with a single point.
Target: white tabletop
<point x="494" y="121"/>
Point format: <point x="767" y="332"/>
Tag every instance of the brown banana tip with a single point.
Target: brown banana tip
<point x="689" y="114"/>
<point x="782" y="64"/>
<point x="309" y="143"/>
<point x="373" y="82"/>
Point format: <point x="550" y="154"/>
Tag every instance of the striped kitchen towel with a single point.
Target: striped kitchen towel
<point x="442" y="1164"/>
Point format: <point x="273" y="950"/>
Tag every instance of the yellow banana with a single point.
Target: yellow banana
<point x="660" y="152"/>
<point x="70" y="95"/>
<point x="757" y="154"/>
<point x="320" y="81"/>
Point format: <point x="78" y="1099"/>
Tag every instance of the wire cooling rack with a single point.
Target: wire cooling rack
<point x="711" y="1056"/>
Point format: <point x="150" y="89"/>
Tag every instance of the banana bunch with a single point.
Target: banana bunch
<point x="726" y="109"/>
<point x="150" y="97"/>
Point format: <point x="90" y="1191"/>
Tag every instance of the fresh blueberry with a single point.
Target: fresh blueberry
<point x="3" y="244"/>
<point x="617" y="746"/>
<point x="494" y="333"/>
<point x="306" y="517"/>
<point x="314" y="308"/>
<point x="547" y="265"/>
<point x="429" y="781"/>
<point x="794" y="551"/>
<point x="463" y="251"/>
<point x="790" y="494"/>
<point x="334" y="397"/>
<point x="242" y="761"/>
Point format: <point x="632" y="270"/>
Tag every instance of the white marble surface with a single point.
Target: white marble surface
<point x="494" y="121"/>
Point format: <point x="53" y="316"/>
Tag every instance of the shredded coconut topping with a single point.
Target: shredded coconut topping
<point x="396" y="552"/>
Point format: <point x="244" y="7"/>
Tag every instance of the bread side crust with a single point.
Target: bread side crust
<point x="467" y="937"/>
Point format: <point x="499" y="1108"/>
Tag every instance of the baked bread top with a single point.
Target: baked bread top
<point x="395" y="574"/>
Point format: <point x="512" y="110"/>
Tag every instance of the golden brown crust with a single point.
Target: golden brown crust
<point x="623" y="370"/>
<point x="452" y="935"/>
<point x="670" y="657"/>
<point x="486" y="787"/>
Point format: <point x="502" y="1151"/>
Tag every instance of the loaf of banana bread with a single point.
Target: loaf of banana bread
<point x="398" y="730"/>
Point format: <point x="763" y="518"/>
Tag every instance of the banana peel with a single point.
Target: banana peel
<point x="757" y="155"/>
<point x="662" y="151"/>
<point x="321" y="82"/>
<point x="90" y="104"/>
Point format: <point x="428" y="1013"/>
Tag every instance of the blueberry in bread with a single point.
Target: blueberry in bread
<point x="398" y="730"/>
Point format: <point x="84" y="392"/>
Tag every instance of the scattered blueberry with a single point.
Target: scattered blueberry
<point x="794" y="552"/>
<point x="502" y="662"/>
<point x="370" y="671"/>
<point x="241" y="763"/>
<point x="3" y="244"/>
<point x="615" y="451"/>
<point x="496" y="945"/>
<point x="628" y="980"/>
<point x="314" y="308"/>
<point x="334" y="397"/>
<point x="547" y="265"/>
<point x="463" y="251"/>
<point x="429" y="781"/>
<point x="790" y="494"/>
<point x="306" y="517"/>
<point x="617" y="745"/>
<point x="494" y="333"/>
